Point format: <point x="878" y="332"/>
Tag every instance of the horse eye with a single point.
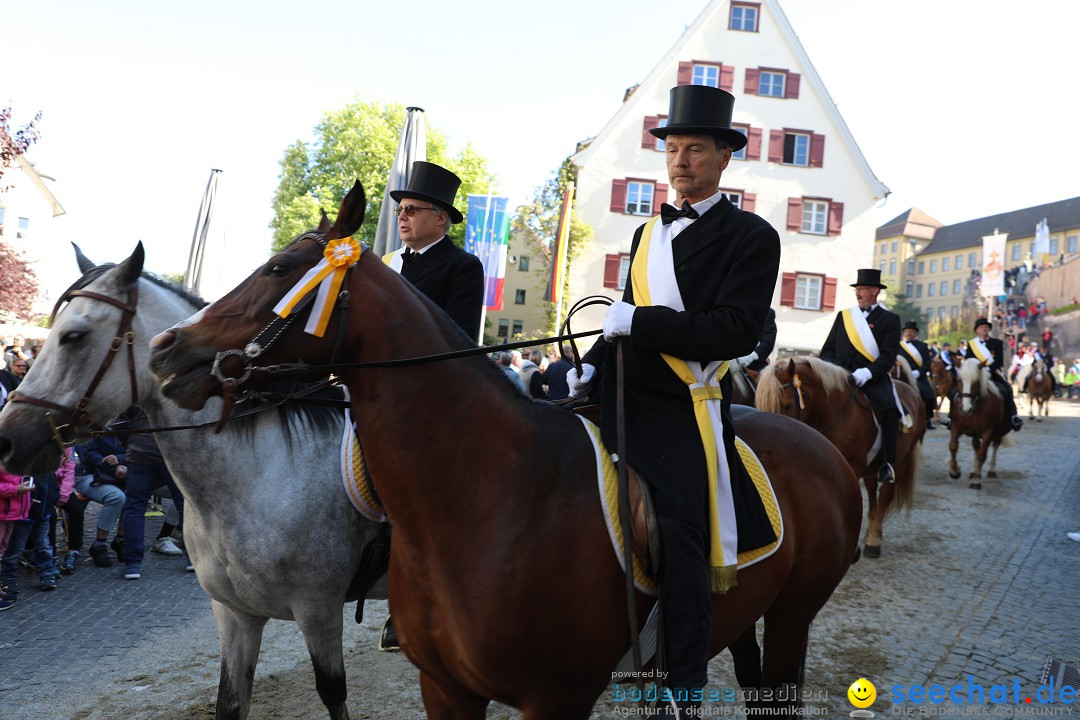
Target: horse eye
<point x="278" y="270"/>
<point x="71" y="336"/>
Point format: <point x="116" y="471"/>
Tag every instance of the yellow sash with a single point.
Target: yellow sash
<point x="913" y="352"/>
<point x="393" y="260"/>
<point x="984" y="355"/>
<point x="721" y="569"/>
<point x="858" y="333"/>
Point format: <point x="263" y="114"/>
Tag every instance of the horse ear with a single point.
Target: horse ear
<point x="351" y="214"/>
<point x="324" y="222"/>
<point x="789" y="371"/>
<point x="85" y="263"/>
<point x="128" y="272"/>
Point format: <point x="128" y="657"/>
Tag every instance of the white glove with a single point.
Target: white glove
<point x="619" y="318"/>
<point x="579" y="387"/>
<point x="745" y="360"/>
<point x="862" y="376"/>
<point x="915" y="374"/>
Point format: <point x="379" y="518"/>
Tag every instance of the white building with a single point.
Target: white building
<point x="801" y="170"/>
<point x="27" y="208"/>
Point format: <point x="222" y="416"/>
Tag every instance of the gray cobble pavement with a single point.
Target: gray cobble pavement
<point x="970" y="583"/>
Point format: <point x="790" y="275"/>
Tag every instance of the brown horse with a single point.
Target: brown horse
<point x="823" y="396"/>
<point x="528" y="607"/>
<point x="1039" y="390"/>
<point x="978" y="411"/>
<point x="942" y="381"/>
<point x="742" y="385"/>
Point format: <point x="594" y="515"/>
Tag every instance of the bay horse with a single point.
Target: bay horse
<point x="978" y="411"/>
<point x="1039" y="390"/>
<point x="266" y="522"/>
<point x="503" y="582"/>
<point x="823" y="396"/>
<point x="942" y="381"/>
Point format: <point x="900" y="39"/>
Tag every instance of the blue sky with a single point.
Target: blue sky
<point x="963" y="108"/>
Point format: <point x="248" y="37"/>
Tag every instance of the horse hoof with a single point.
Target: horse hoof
<point x="975" y="485"/>
<point x="872" y="551"/>
<point x="991" y="474"/>
<point x="954" y="474"/>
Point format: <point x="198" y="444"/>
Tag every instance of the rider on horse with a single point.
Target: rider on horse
<point x="918" y="357"/>
<point x="865" y="340"/>
<point x="990" y="352"/>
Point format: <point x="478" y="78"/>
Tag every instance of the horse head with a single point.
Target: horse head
<point x="787" y="388"/>
<point x="196" y="358"/>
<point x="971" y="382"/>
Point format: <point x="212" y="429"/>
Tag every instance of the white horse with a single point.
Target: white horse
<point x="266" y="522"/>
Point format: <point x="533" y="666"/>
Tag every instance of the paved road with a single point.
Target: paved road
<point x="981" y="583"/>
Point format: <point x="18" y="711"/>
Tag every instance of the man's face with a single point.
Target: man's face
<point x="423" y="227"/>
<point x="18" y="342"/>
<point x="982" y="332"/>
<point x="910" y="334"/>
<point x="866" y="295"/>
<point x="694" y="165"/>
<point x="18" y="367"/>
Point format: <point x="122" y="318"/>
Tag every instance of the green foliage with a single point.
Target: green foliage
<point x="901" y="304"/>
<point x="1065" y="309"/>
<point x="358" y="142"/>
<point x="537" y="222"/>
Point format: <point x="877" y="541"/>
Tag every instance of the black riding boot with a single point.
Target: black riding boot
<point x="890" y="434"/>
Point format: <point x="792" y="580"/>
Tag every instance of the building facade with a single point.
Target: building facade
<point x="801" y="170"/>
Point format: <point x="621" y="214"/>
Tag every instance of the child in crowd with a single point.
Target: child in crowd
<point x="14" y="506"/>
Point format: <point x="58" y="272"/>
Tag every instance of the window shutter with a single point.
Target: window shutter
<point x="749" y="201"/>
<point x="836" y="217"/>
<point x="686" y="73"/>
<point x="794" y="214"/>
<point x="618" y="196"/>
<point x="727" y="77"/>
<point x="611" y="270"/>
<point x="817" y="150"/>
<point x="776" y="146"/>
<point x="647" y="139"/>
<point x="753" y="144"/>
<point x="787" y="289"/>
<point x="791" y="86"/>
<point x="751" y="81"/>
<point x="660" y="195"/>
<point x="828" y="294"/>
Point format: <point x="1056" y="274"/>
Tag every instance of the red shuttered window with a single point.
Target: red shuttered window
<point x="616" y="268"/>
<point x="808" y="291"/>
<point x="815" y="216"/>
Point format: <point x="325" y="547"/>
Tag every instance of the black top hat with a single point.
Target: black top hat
<point x="701" y="110"/>
<point x="868" y="276"/>
<point x="911" y="325"/>
<point x="433" y="183"/>
<point x="981" y="321"/>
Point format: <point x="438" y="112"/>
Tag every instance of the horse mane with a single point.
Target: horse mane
<point x="95" y="272"/>
<point x="973" y="372"/>
<point x="833" y="378"/>
<point x="769" y="389"/>
<point x="905" y="371"/>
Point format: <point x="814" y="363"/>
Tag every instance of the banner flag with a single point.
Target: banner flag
<point x="557" y="275"/>
<point x="993" y="267"/>
<point x="1040" y="250"/>
<point x="487" y="231"/>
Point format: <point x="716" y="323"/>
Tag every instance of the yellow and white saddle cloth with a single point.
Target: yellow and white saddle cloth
<point x="354" y="473"/>
<point x="607" y="480"/>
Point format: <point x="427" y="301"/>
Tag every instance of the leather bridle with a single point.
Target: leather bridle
<point x="76" y="417"/>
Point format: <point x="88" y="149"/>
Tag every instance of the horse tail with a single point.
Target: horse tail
<point x="904" y="489"/>
<point x="769" y="390"/>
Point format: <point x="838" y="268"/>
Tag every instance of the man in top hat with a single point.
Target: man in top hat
<point x="991" y="352"/>
<point x="452" y="278"/>
<point x="701" y="281"/>
<point x="865" y="340"/>
<point x="758" y="359"/>
<point x="918" y="357"/>
<point x="428" y="258"/>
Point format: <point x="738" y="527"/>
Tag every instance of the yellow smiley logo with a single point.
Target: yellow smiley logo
<point x="862" y="693"/>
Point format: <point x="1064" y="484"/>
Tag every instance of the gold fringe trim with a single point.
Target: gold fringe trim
<point x="722" y="579"/>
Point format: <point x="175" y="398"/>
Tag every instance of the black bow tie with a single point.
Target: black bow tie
<point x="408" y="256"/>
<point x="669" y="213"/>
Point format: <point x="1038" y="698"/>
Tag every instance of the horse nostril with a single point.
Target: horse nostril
<point x="163" y="340"/>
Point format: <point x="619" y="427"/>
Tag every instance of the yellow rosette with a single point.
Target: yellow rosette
<point x="327" y="275"/>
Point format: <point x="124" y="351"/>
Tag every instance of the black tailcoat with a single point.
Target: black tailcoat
<point x="923" y="380"/>
<point x="885" y="327"/>
<point x="766" y="343"/>
<point x="453" y="279"/>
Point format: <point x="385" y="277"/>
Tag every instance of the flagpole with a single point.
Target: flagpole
<point x="483" y="234"/>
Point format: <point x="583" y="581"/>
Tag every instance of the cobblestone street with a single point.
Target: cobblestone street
<point x="980" y="583"/>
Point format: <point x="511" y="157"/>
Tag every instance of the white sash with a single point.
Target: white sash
<point x="863" y="340"/>
<point x="913" y="352"/>
<point x="393" y="260"/>
<point x="981" y="351"/>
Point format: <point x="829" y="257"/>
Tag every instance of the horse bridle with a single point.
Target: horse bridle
<point x="78" y="418"/>
<point x="800" y="402"/>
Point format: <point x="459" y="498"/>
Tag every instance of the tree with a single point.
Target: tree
<point x="537" y="223"/>
<point x="12" y="145"/>
<point x="358" y="142"/>
<point x="18" y="285"/>
<point x="901" y="304"/>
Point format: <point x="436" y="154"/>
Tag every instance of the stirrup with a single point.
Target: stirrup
<point x="885" y="474"/>
<point x="388" y="639"/>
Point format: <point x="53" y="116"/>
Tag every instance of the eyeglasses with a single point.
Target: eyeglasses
<point x="410" y="210"/>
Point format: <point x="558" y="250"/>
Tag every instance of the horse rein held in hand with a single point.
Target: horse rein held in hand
<point x="78" y="418"/>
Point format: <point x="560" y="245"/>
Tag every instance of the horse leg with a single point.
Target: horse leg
<point x="954" y="443"/>
<point x="874" y="514"/>
<point x="746" y="656"/>
<point x="992" y="472"/>
<point x="451" y="702"/>
<point x="240" y="635"/>
<point x="787" y="633"/>
<point x="322" y="629"/>
<point x="980" y="446"/>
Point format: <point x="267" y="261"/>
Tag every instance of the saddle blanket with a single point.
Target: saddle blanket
<point x="354" y="474"/>
<point x="607" y="478"/>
